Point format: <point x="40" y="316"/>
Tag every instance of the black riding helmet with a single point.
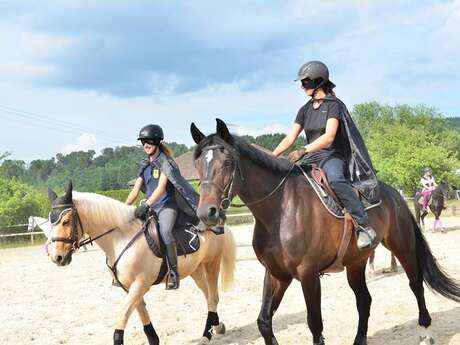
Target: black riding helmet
<point x="151" y="132"/>
<point x="316" y="73"/>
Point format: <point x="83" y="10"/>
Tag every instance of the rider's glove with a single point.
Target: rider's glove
<point x="141" y="211"/>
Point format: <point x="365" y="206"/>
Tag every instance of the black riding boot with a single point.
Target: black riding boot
<point x="172" y="280"/>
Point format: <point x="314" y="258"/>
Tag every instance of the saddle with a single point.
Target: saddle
<point x="186" y="236"/>
<point x="318" y="180"/>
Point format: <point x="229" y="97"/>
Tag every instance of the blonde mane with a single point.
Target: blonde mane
<point x="98" y="211"/>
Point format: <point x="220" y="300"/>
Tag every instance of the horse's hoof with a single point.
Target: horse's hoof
<point x="321" y="341"/>
<point x="359" y="340"/>
<point x="204" y="341"/>
<point x="426" y="340"/>
<point x="220" y="328"/>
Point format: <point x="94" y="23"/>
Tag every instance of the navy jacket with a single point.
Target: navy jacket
<point x="186" y="197"/>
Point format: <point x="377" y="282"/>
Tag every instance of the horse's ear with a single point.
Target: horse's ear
<point x="197" y="135"/>
<point x="223" y="132"/>
<point x="68" y="193"/>
<point x="51" y="195"/>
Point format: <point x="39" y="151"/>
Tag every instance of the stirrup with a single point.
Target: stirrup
<point x="172" y="283"/>
<point x="372" y="239"/>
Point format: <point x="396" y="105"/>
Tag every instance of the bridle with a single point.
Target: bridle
<point x="228" y="190"/>
<point x="76" y="223"/>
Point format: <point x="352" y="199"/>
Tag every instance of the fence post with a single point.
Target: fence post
<point x="32" y="238"/>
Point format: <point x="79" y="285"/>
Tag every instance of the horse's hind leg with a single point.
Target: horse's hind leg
<point x="357" y="280"/>
<point x="408" y="261"/>
<point x="148" y="327"/>
<point x="205" y="281"/>
<point x="274" y="290"/>
<point x="394" y="264"/>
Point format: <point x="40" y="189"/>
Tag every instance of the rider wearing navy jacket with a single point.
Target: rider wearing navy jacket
<point x="160" y="194"/>
<point x="334" y="143"/>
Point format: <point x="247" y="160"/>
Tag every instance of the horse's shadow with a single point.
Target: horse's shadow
<point x="445" y="327"/>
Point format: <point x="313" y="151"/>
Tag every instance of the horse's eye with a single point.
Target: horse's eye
<point x="65" y="222"/>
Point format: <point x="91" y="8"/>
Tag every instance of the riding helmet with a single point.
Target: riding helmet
<point x="317" y="72"/>
<point x="427" y="169"/>
<point x="152" y="132"/>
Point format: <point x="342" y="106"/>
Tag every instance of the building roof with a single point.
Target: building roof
<point x="187" y="166"/>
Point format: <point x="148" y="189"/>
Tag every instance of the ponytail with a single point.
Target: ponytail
<point x="166" y="150"/>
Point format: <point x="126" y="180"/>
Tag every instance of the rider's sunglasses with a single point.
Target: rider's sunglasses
<point x="148" y="141"/>
<point x="307" y="83"/>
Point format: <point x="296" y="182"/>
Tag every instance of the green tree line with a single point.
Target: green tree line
<point x="401" y="140"/>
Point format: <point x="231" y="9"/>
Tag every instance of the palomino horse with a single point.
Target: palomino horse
<point x="111" y="224"/>
<point x="296" y="237"/>
<point x="436" y="206"/>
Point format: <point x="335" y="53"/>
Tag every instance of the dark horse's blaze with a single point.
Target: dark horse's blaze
<point x="295" y="237"/>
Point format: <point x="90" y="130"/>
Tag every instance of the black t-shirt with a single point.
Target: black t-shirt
<point x="313" y="121"/>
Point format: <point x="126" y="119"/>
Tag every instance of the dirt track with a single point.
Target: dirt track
<point x="44" y="304"/>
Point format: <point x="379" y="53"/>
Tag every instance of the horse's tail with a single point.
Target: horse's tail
<point x="433" y="275"/>
<point x="228" y="260"/>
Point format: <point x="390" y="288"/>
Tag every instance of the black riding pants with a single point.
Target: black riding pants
<point x="166" y="219"/>
<point x="335" y="169"/>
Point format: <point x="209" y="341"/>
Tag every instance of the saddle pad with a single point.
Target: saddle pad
<point x="329" y="203"/>
<point x="186" y="237"/>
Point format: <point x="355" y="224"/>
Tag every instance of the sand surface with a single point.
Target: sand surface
<point x="45" y="304"/>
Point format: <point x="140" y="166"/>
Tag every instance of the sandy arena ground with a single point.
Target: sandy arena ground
<point x="45" y="304"/>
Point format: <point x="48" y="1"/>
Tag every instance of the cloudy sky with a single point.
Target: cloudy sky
<point x="88" y="74"/>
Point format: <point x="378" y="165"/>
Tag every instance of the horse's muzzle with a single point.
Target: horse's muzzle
<point x="62" y="260"/>
<point x="209" y="214"/>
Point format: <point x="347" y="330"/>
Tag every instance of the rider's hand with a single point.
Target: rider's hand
<point x="141" y="211"/>
<point x="294" y="156"/>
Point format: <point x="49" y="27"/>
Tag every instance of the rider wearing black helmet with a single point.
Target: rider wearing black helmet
<point x="334" y="143"/>
<point x="159" y="192"/>
<point x="429" y="185"/>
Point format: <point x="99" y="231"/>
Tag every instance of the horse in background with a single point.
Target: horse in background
<point x="436" y="205"/>
<point x="111" y="224"/>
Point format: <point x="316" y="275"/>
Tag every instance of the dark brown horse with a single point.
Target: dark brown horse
<point x="295" y="237"/>
<point x="436" y="206"/>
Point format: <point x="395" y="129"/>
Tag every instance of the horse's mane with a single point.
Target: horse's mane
<point x="98" y="210"/>
<point x="280" y="166"/>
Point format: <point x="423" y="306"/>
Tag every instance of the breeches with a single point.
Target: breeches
<point x="336" y="174"/>
<point x="167" y="219"/>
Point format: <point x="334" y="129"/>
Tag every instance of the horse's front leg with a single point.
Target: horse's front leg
<point x="148" y="327"/>
<point x="274" y="290"/>
<point x="311" y="287"/>
<point x="136" y="291"/>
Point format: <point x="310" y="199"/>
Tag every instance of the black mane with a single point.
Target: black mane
<point x="263" y="159"/>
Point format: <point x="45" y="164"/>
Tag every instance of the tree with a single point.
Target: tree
<point x="4" y="155"/>
<point x="13" y="168"/>
<point x="19" y="201"/>
<point x="402" y="140"/>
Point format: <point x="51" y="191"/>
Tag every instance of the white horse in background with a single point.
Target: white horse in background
<point x="111" y="224"/>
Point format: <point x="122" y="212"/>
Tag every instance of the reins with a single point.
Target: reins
<point x="76" y="220"/>
<point x="227" y="191"/>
